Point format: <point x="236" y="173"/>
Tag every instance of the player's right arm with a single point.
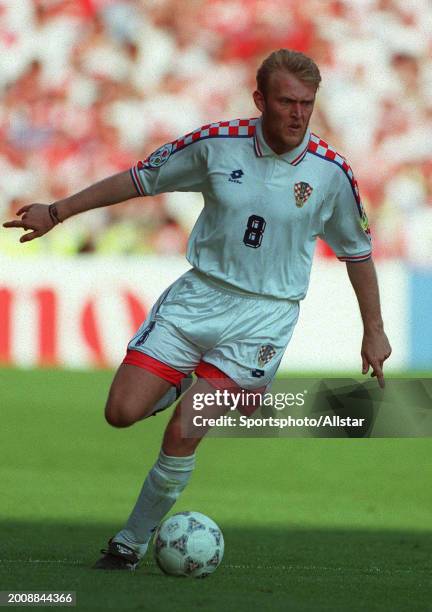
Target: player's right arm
<point x="176" y="166"/>
<point x="40" y="219"/>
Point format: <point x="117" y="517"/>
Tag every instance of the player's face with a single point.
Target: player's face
<point x="286" y="109"/>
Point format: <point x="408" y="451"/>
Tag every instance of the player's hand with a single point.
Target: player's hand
<point x="33" y="217"/>
<point x="375" y="350"/>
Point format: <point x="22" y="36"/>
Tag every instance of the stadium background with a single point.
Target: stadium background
<point x="90" y="86"/>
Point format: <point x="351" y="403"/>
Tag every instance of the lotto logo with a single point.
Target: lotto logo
<point x="235" y="176"/>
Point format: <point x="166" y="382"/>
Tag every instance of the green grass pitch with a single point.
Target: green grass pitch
<point x="309" y="524"/>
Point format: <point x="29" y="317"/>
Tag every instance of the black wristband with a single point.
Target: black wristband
<point x="52" y="209"/>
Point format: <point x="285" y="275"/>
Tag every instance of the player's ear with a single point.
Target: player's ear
<point x="259" y="100"/>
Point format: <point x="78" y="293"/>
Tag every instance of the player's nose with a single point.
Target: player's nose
<point x="296" y="110"/>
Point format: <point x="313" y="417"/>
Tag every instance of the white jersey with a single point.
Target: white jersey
<point x="262" y="212"/>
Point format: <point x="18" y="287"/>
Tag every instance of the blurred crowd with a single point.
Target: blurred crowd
<point x="91" y="86"/>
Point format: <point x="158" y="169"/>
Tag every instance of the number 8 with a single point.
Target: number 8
<point x="254" y="232"/>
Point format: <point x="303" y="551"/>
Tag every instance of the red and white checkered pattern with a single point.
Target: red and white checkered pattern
<point x="301" y="193"/>
<point x="320" y="147"/>
<point x="235" y="127"/>
<point x="323" y="149"/>
<point x="266" y="354"/>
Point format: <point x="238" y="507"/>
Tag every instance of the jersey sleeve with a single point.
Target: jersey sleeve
<point x="175" y="166"/>
<point x="347" y="229"/>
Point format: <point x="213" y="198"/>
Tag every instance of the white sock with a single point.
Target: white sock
<point x="164" y="483"/>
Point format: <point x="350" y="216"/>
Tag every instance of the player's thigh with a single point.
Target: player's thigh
<point x="158" y="356"/>
<point x="133" y="393"/>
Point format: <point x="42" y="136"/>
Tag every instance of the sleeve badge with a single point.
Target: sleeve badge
<point x="159" y="157"/>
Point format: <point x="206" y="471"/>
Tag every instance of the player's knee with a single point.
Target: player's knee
<point x="118" y="415"/>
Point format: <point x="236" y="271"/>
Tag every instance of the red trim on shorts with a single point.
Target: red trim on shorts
<point x="219" y="380"/>
<point x="214" y="375"/>
<point x="137" y="358"/>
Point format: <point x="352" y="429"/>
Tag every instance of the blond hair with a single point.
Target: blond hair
<point x="302" y="66"/>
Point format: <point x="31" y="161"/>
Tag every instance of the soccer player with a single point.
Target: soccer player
<point x="270" y="188"/>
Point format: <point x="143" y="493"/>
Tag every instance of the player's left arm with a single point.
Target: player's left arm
<point x="375" y="346"/>
<point x="347" y="232"/>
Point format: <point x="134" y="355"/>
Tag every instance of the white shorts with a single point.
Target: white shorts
<point x="206" y="326"/>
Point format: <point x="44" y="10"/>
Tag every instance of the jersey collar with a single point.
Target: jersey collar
<point x="293" y="157"/>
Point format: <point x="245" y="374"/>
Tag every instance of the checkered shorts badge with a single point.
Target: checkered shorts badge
<point x="301" y="193"/>
<point x="265" y="354"/>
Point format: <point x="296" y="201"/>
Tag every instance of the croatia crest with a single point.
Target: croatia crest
<point x="301" y="193"/>
<point x="266" y="354"/>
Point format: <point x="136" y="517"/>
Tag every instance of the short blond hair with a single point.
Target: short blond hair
<point x="299" y="64"/>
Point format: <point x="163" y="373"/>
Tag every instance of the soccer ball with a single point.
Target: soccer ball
<point x="188" y="544"/>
